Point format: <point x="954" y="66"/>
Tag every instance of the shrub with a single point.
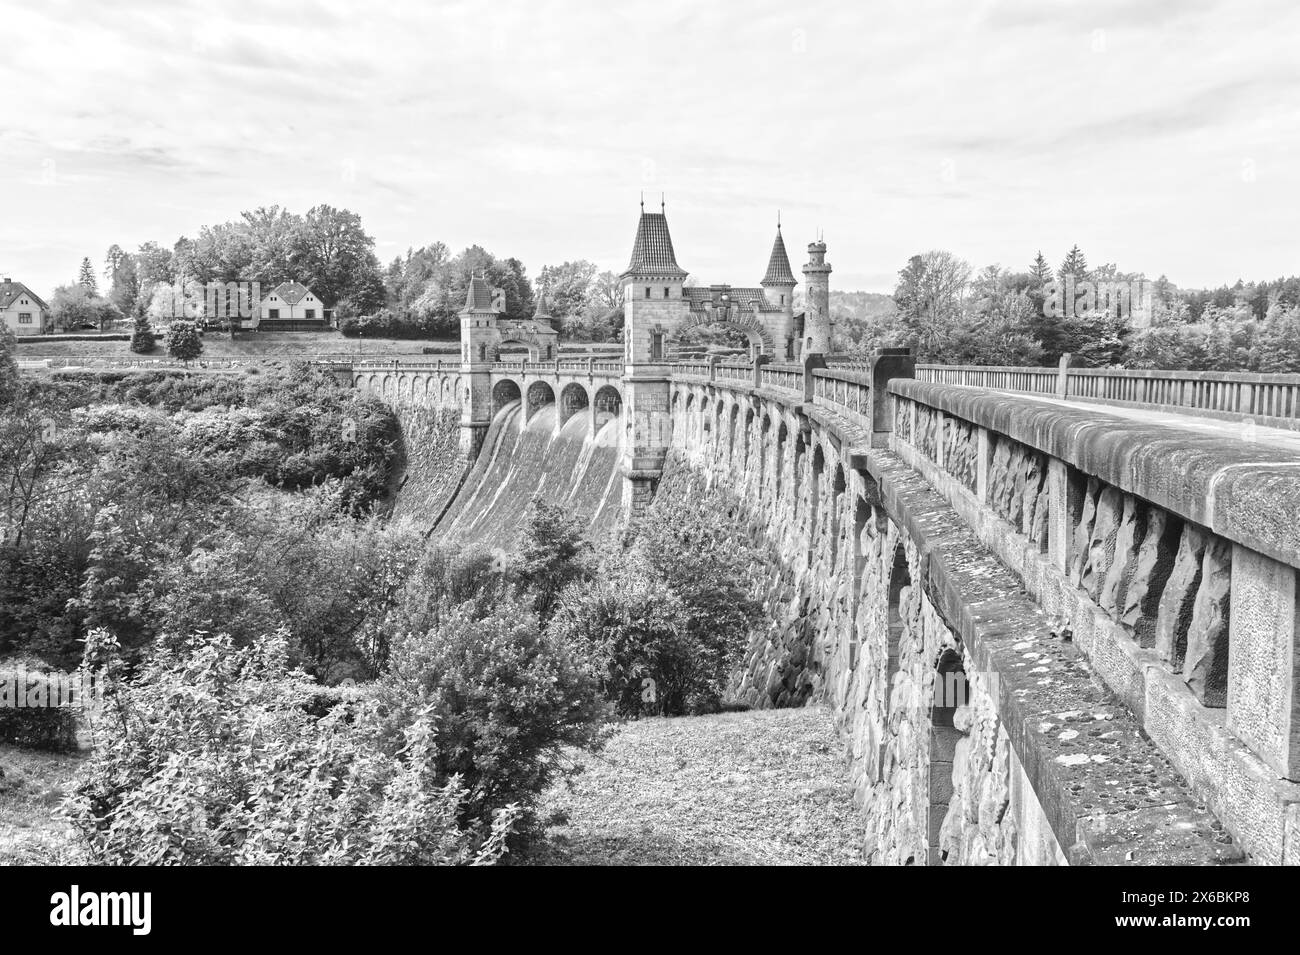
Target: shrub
<point x="637" y="631"/>
<point x="143" y="339"/>
<point x="502" y="697"/>
<point x="32" y="715"/>
<point x="183" y="341"/>
<point x="213" y="757"/>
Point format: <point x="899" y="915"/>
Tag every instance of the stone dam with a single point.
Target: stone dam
<point x="1050" y="631"/>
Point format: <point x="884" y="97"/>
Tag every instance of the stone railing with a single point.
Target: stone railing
<point x="786" y="377"/>
<point x="1168" y="557"/>
<point x="732" y="371"/>
<point x="1270" y="398"/>
<point x="845" y="390"/>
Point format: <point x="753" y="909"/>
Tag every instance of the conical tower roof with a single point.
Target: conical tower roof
<point x="652" y="252"/>
<point x="778" y="264"/>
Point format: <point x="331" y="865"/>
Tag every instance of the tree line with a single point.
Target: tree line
<point x="1103" y="316"/>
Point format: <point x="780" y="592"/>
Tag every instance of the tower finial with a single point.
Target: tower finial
<point x="662" y="205"/>
<point x="778" y="220"/>
<point x="643" y="200"/>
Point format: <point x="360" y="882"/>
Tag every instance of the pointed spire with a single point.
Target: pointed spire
<point x="543" y="309"/>
<point x="778" y="264"/>
<point x="652" y="251"/>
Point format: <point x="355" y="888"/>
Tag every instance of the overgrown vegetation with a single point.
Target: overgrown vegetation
<point x="295" y="678"/>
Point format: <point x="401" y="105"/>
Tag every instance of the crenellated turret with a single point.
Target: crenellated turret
<point x="817" y="307"/>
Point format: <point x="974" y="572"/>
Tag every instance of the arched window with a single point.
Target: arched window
<point x="647" y="291"/>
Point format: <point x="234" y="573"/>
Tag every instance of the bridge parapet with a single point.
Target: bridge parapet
<point x="1168" y="557"/>
<point x="1268" y="399"/>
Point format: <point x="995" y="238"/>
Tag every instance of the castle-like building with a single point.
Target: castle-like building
<point x="658" y="306"/>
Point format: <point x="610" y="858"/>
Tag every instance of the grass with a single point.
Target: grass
<point x="267" y="345"/>
<point x="31" y="788"/>
<point x="766" y="787"/>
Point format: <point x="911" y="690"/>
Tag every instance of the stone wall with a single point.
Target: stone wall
<point x="871" y="581"/>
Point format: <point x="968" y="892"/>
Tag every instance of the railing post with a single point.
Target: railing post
<point x="713" y="367"/>
<point x="759" y="362"/>
<point x="1063" y="375"/>
<point x="810" y="364"/>
<point x="888" y="363"/>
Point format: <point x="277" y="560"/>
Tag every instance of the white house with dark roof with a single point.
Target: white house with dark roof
<point x="292" y="302"/>
<point x="22" y="311"/>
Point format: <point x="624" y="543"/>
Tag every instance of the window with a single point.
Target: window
<point x="24" y="318"/>
<point x="311" y="313"/>
<point x="665" y="291"/>
<point x="656" y="346"/>
<point x="275" y="312"/>
<point x="782" y="299"/>
<point x="647" y="291"/>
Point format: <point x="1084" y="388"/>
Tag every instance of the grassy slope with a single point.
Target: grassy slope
<point x="761" y="788"/>
<point x="31" y="788"/>
<point x="217" y="345"/>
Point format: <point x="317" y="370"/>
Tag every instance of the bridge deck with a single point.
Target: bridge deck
<point x="1187" y="421"/>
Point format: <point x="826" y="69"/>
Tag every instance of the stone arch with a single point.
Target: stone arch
<point x="900" y="579"/>
<point x="731" y="438"/>
<point x="764" y="432"/>
<point x="838" y="487"/>
<point x="385" y="386"/>
<point x="747" y="322"/>
<point x="950" y="693"/>
<point x="781" y="435"/>
<point x="748" y="433"/>
<point x="540" y="394"/>
<point x="608" y="403"/>
<point x="814" y="497"/>
<point x="573" y="399"/>
<point x="503" y="392"/>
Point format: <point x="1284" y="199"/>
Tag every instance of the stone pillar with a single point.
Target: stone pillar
<point x="759" y="362"/>
<point x="1263" y="662"/>
<point x="810" y="364"/>
<point x="983" y="449"/>
<point x="1063" y="503"/>
<point x="645" y="443"/>
<point x="1063" y="375"/>
<point x="887" y="363"/>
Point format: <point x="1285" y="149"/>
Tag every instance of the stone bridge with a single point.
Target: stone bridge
<point x="1051" y="630"/>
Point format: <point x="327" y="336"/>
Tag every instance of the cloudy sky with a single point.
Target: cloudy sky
<point x="1159" y="135"/>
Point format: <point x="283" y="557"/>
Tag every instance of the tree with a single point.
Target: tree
<point x="143" y="339"/>
<point x="568" y="286"/>
<point x="183" y="341"/>
<point x="1040" y="270"/>
<point x="929" y="297"/>
<point x="86" y="276"/>
<point x="74" y="306"/>
<point x="113" y="262"/>
<point x="1075" y="264"/>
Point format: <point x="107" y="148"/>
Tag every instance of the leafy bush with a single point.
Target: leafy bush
<point x="213" y="757"/>
<point x="184" y="342"/>
<point x="32" y="716"/>
<point x="502" y="697"/>
<point x="143" y="339"/>
<point x="636" y="629"/>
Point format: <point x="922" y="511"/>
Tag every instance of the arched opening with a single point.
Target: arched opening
<point x="573" y="398"/>
<point x="765" y="428"/>
<point x="838" y="488"/>
<point x="706" y="422"/>
<point x="539" y="396"/>
<point x="503" y="392"/>
<point x="512" y="349"/>
<point x="609" y="404"/>
<point x="796" y="472"/>
<point x="949" y="693"/>
<point x="861" y="514"/>
<point x="731" y="440"/>
<point x="749" y="426"/>
<point x="814" y="499"/>
<point x="900" y="578"/>
<point x="780" y="458"/>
